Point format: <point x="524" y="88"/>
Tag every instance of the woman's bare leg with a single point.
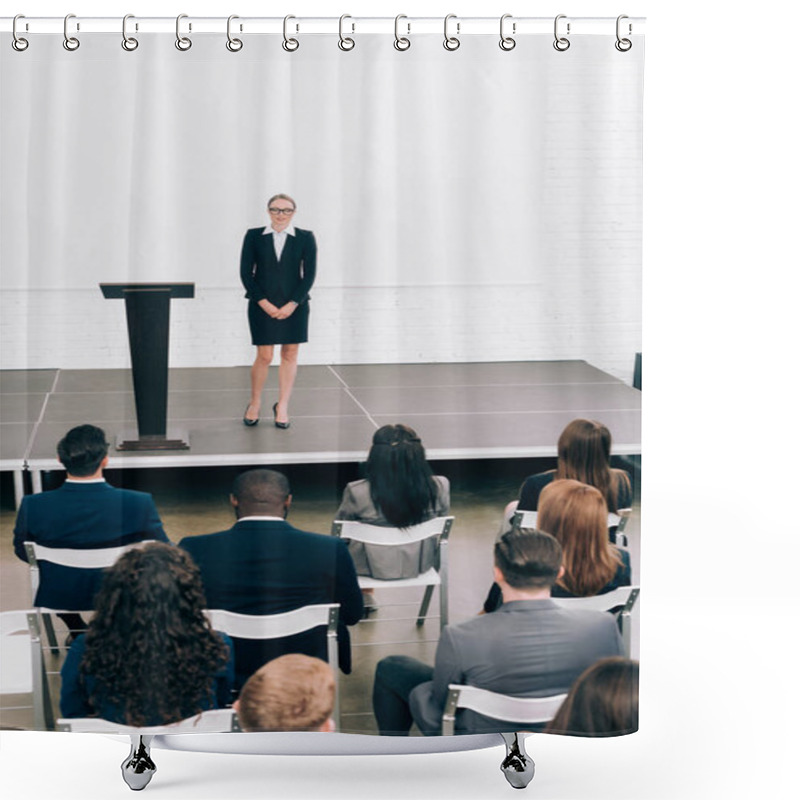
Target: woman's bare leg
<point x="287" y="371"/>
<point x="258" y="377"/>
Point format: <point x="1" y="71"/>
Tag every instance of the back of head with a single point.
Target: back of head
<point x="575" y="513"/>
<point x="400" y="479"/>
<point x="261" y="490"/>
<point x="603" y="701"/>
<point x="82" y="450"/>
<point x="292" y="693"/>
<point x="528" y="558"/>
<point x="149" y="621"/>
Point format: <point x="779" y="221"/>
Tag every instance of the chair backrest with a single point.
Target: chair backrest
<point x="624" y="596"/>
<point x="377" y="534"/>
<point x="16" y="662"/>
<point x="527" y="519"/>
<point x="218" y="720"/>
<point x="95" y="558"/>
<point x="520" y="710"/>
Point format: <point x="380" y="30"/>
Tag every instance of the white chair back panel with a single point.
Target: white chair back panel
<point x="16" y="674"/>
<point x="99" y="558"/>
<point x="218" y="720"/>
<point x="429" y="578"/>
<point x="507" y="708"/>
<point x="527" y="519"/>
<point x="601" y="602"/>
<point x="272" y="626"/>
<point x="389" y="537"/>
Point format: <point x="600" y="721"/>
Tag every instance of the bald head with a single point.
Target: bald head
<point x="261" y="492"/>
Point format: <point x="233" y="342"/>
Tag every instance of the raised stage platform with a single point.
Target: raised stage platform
<point x="461" y="411"/>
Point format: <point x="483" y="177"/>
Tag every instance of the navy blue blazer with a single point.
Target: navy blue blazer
<point x="268" y="567"/>
<point x="82" y="516"/>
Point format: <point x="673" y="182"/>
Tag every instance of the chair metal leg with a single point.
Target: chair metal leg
<point x="423" y="609"/>
<point x="138" y="768"/>
<point x="517" y="766"/>
<point x="52" y="641"/>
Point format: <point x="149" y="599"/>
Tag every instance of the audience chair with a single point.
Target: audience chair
<point x="616" y="523"/>
<point x="279" y="626"/>
<point x="99" y="558"/>
<point x="519" y="710"/>
<point x="217" y="720"/>
<point x="21" y="663"/>
<point x="438" y="527"/>
<point x="620" y="600"/>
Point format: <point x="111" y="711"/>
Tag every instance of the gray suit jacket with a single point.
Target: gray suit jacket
<point x="385" y="563"/>
<point x="528" y="648"/>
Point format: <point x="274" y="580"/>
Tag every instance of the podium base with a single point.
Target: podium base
<point x="129" y="441"/>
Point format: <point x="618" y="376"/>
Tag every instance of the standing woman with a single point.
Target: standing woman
<point x="278" y="267"/>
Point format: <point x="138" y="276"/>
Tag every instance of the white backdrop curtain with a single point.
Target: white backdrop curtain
<point x="475" y="205"/>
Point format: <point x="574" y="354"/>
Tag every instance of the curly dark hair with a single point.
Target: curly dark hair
<point x="149" y="648"/>
<point x="401" y="481"/>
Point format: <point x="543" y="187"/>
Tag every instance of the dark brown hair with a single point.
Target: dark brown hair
<point x="82" y="450"/>
<point x="584" y="453"/>
<point x="528" y="558"/>
<point x="401" y="482"/>
<point x="149" y="647"/>
<point x="576" y="515"/>
<point x="603" y="701"/>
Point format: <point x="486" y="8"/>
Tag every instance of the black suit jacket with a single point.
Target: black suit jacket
<point x="291" y="278"/>
<point x="82" y="516"/>
<point x="267" y="567"/>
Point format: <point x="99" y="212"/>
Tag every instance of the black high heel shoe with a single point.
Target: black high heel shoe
<point x="282" y="425"/>
<point x="251" y="423"/>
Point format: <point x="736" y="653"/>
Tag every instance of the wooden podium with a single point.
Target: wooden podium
<point x="147" y="310"/>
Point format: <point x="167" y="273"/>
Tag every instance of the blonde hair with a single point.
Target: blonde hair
<point x="291" y="693"/>
<point x="576" y="515"/>
<point x="281" y="197"/>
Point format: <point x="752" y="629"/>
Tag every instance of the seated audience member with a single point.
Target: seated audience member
<point x="263" y="565"/>
<point x="584" y="454"/>
<point x="604" y="701"/>
<point x="149" y="656"/>
<point x="400" y="490"/>
<point x="530" y="647"/>
<point x="84" y="513"/>
<point x="290" y="693"/>
<point x="576" y="515"/>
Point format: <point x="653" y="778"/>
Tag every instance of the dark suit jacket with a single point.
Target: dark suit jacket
<point x="527" y="648"/>
<point x="267" y="567"/>
<point x="82" y="516"/>
<point x="291" y="278"/>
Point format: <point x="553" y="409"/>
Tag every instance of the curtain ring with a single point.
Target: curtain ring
<point x="507" y="42"/>
<point x="289" y="44"/>
<point x="346" y="43"/>
<point x="18" y="42"/>
<point x="401" y="42"/>
<point x="182" y="42"/>
<point x="451" y="42"/>
<point x="623" y="45"/>
<point x="561" y="43"/>
<point x="129" y="43"/>
<point x="233" y="44"/>
<point x="70" y="42"/>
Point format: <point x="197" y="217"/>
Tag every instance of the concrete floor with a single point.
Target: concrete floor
<point x="194" y="501"/>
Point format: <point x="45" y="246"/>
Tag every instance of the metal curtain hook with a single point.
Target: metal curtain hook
<point x="289" y="44"/>
<point x="129" y="43"/>
<point x="233" y="44"/>
<point x="70" y="42"/>
<point x="182" y="42"/>
<point x="346" y="42"/>
<point x="451" y="42"/>
<point x="401" y="42"/>
<point x="623" y="45"/>
<point x="18" y="42"/>
<point x="507" y="42"/>
<point x="561" y="43"/>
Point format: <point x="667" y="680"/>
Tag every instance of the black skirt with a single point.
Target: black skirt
<point x="266" y="330"/>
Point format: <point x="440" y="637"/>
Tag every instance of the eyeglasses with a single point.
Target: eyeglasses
<point x="278" y="211"/>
